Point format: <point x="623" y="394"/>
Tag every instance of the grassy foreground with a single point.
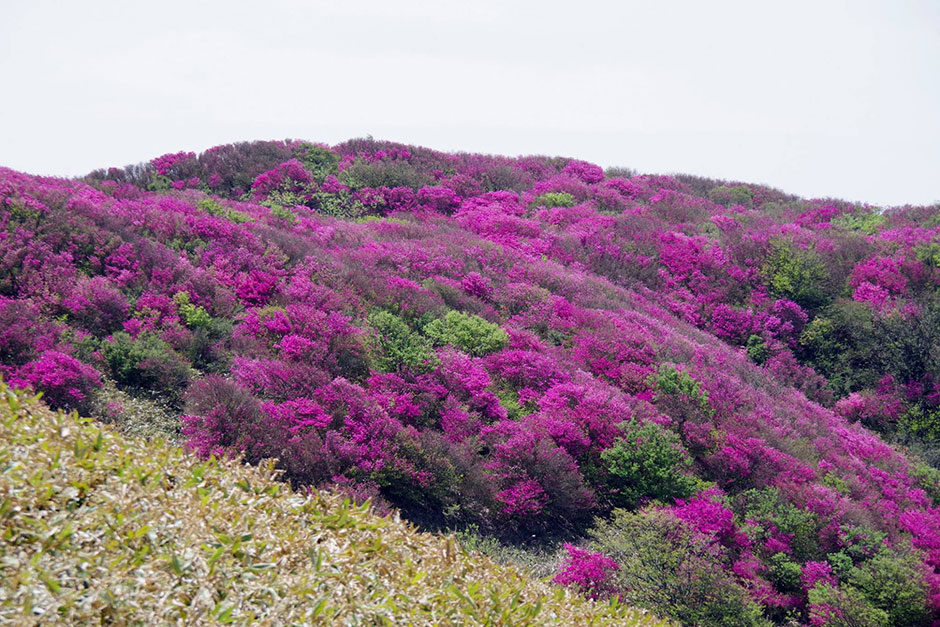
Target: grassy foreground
<point x="98" y="528"/>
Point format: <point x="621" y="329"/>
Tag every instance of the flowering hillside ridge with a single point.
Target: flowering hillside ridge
<point x="532" y="346"/>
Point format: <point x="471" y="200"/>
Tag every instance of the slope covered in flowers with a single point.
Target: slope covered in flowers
<point x="689" y="368"/>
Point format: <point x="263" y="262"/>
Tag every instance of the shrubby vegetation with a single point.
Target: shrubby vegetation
<point x="103" y="529"/>
<point x="522" y="347"/>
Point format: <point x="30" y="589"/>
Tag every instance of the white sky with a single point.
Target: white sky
<point x="816" y="97"/>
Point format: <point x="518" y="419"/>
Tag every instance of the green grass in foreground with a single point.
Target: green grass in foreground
<point x="98" y="528"/>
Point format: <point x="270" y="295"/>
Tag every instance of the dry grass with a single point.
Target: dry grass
<point x="98" y="528"/>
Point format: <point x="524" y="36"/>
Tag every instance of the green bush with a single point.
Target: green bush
<point x="361" y="174"/>
<point x="215" y="208"/>
<point x="854" y="347"/>
<point x="397" y="347"/>
<point x="277" y="201"/>
<point x="847" y="607"/>
<point x="894" y="584"/>
<point x="472" y="334"/>
<point x="195" y="316"/>
<point x="339" y="205"/>
<point x="681" y="396"/>
<point x="321" y="162"/>
<point x="796" y="274"/>
<point x="737" y="195"/>
<point x="668" y="568"/>
<point x="648" y="461"/>
<point x="768" y="509"/>
<point x="146" y="362"/>
<point x="785" y="573"/>
<point x="757" y="350"/>
<point x="929" y="254"/>
<point x="555" y="199"/>
<point x="866" y="222"/>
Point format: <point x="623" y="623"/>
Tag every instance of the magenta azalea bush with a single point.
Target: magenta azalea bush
<point x="525" y="345"/>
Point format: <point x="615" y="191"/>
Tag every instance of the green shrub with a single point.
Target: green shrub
<point x="195" y="316"/>
<point x="648" y="461"/>
<point x="847" y="607"/>
<point x="681" y="396"/>
<point x="361" y="174"/>
<point x="796" y="274"/>
<point x="215" y="208"/>
<point x="841" y="563"/>
<point x="668" y="568"/>
<point x="555" y="199"/>
<point x="785" y="573"/>
<point x="921" y="422"/>
<point x="146" y="362"/>
<point x="768" y="509"/>
<point x="929" y="254"/>
<point x="472" y="334"/>
<point x="757" y="350"/>
<point x="866" y="222"/>
<point x="277" y="201"/>
<point x="928" y="480"/>
<point x="321" y="162"/>
<point x="339" y="205"/>
<point x="396" y="347"/>
<point x="737" y="195"/>
<point x="895" y="585"/>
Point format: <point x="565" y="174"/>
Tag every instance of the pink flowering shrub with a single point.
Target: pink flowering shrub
<point x="64" y="381"/>
<point x="589" y="572"/>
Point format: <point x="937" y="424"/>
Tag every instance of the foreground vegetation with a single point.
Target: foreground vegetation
<point x="102" y="529"/>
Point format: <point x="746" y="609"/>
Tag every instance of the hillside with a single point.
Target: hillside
<point x="731" y="392"/>
<point x="98" y="528"/>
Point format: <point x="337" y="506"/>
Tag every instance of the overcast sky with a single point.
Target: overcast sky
<point x="820" y="98"/>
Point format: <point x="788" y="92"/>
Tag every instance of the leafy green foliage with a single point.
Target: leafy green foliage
<point x="796" y="274"/>
<point x="921" y="422"/>
<point x="397" y="347"/>
<point x="854" y="347"/>
<point x="554" y="199"/>
<point x="320" y="161"/>
<point x="785" y="573"/>
<point x="147" y="362"/>
<point x="867" y="222"/>
<point x="648" y="461"/>
<point x="195" y="316"/>
<point x="665" y="566"/>
<point x="377" y="174"/>
<point x="929" y="254"/>
<point x="215" y="208"/>
<point x="756" y="349"/>
<point x="895" y="585"/>
<point x="846" y="607"/>
<point x="839" y="343"/>
<point x="680" y="395"/>
<point x="471" y="334"/>
<point x="736" y="195"/>
<point x="278" y="201"/>
<point x="769" y="510"/>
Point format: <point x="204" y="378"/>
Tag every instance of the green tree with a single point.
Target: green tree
<point x="397" y="347"/>
<point x="797" y="274"/>
<point x="648" y="461"/>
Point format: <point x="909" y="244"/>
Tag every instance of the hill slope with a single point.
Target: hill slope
<point x="98" y="528"/>
<point x="531" y="346"/>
